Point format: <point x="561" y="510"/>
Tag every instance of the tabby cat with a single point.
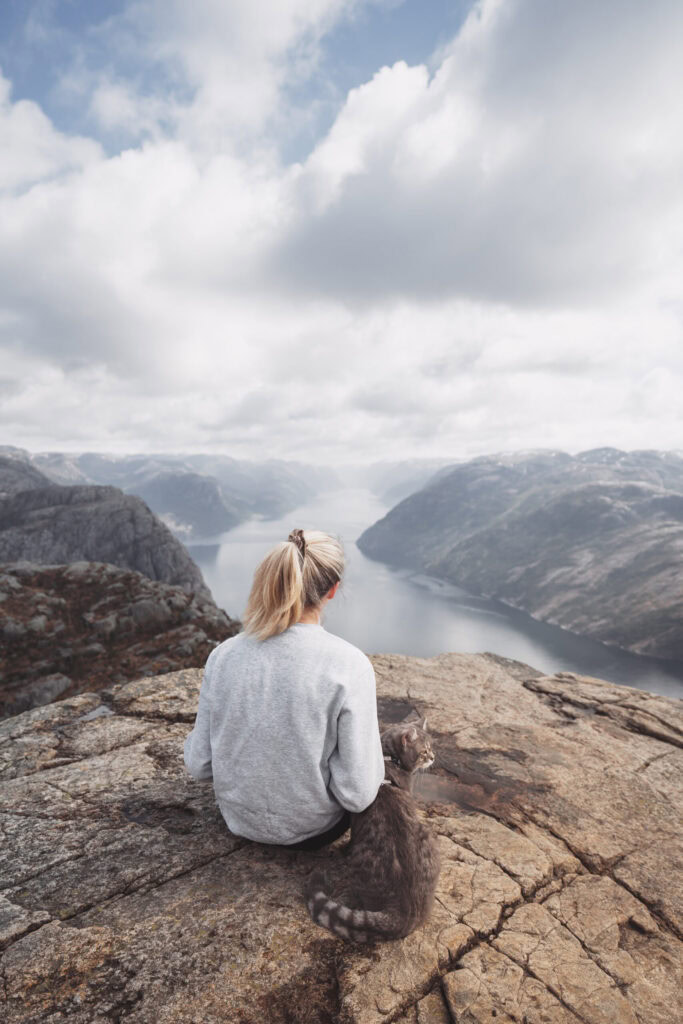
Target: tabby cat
<point x="392" y="858"/>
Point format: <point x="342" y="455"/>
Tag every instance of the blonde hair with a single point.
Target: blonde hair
<point x="294" y="576"/>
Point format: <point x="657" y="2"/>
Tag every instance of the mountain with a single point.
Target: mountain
<point x="56" y="525"/>
<point x="17" y="475"/>
<point x="592" y="542"/>
<point x="270" y="488"/>
<point x="69" y="628"/>
<point x="191" y="504"/>
<point x="196" y="495"/>
<point x="61" y="468"/>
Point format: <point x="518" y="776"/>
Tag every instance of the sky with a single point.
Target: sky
<point x="341" y="230"/>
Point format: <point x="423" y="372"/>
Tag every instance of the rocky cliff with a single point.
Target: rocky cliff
<point x="55" y="525"/>
<point x="17" y="475"/>
<point x="556" y="802"/>
<point x="593" y="543"/>
<point x="85" y="626"/>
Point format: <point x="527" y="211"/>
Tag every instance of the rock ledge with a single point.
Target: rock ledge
<point x="555" y="799"/>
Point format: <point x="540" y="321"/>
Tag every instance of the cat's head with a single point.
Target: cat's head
<point x="408" y="743"/>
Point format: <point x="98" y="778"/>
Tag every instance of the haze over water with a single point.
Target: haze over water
<point x="385" y="610"/>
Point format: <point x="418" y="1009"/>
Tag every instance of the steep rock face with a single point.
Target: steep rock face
<point x="54" y="525"/>
<point x="60" y="468"/>
<point x="593" y="543"/>
<point x="555" y="800"/>
<point x="17" y="475"/>
<point x="85" y="626"/>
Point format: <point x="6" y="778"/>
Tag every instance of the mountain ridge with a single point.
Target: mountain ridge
<point x="592" y="543"/>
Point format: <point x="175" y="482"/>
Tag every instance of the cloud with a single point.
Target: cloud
<point x="32" y="149"/>
<point x="215" y="74"/>
<point x="482" y="253"/>
<point x="539" y="163"/>
<point x="232" y="54"/>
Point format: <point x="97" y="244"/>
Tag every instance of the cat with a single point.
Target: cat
<point x="392" y="857"/>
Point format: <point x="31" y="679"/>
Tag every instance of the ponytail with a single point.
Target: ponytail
<point x="295" y="576"/>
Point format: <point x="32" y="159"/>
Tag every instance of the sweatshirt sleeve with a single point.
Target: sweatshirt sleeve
<point x="198" y="743"/>
<point x="357" y="764"/>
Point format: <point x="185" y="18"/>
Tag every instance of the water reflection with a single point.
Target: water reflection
<point x="398" y="611"/>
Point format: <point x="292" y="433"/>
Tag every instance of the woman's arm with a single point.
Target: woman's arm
<point x="357" y="764"/>
<point x="198" y="743"/>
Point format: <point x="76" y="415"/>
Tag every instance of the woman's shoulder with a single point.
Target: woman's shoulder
<point x="346" y="652"/>
<point x="327" y="648"/>
<point x="232" y="644"/>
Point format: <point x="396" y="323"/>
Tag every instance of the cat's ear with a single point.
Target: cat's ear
<point x="409" y="736"/>
<point x="423" y="725"/>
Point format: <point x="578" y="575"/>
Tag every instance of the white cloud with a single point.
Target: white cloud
<point x="233" y="53"/>
<point x="540" y="163"/>
<point x="221" y="68"/>
<point x="481" y="254"/>
<point x="32" y="149"/>
<point x="116" y="107"/>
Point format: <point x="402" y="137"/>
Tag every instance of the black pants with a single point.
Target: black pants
<point x="324" y="838"/>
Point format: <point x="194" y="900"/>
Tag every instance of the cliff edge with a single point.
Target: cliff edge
<point x="58" y="525"/>
<point x="556" y="801"/>
<point x="88" y="625"/>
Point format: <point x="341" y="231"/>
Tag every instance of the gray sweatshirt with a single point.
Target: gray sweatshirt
<point x="287" y="727"/>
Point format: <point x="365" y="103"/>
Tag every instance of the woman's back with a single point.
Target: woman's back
<point x="288" y="728"/>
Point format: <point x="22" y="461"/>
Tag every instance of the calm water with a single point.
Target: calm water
<point x="398" y="611"/>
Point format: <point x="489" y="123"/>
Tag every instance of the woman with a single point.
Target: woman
<point x="287" y="717"/>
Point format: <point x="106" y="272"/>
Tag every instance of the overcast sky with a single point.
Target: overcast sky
<point x="341" y="229"/>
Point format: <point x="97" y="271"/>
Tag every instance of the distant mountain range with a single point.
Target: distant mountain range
<point x="18" y="475"/>
<point x="197" y="496"/>
<point x="592" y="542"/>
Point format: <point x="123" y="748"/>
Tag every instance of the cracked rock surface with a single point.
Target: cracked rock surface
<point x="557" y="805"/>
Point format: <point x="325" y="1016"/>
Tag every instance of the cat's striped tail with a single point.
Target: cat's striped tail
<point x="355" y="925"/>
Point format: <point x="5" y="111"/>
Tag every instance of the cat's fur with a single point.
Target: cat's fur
<point x="393" y="859"/>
